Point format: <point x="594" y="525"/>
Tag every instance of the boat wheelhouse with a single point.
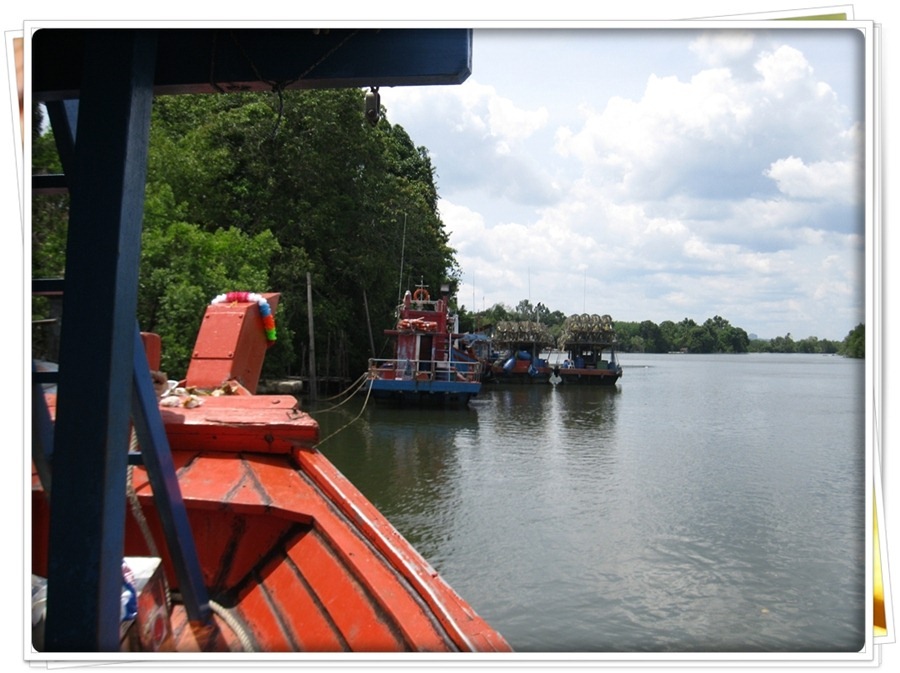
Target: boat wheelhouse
<point x="521" y="345"/>
<point x="590" y="344"/>
<point x="428" y="366"/>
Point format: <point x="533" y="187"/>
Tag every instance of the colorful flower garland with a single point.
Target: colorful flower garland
<point x="264" y="309"/>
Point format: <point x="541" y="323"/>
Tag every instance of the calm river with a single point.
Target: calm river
<point x="705" y="504"/>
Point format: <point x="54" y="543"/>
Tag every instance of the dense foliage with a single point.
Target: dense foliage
<point x="854" y="344"/>
<point x="262" y="193"/>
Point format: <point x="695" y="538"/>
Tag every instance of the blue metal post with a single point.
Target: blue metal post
<point x="157" y="458"/>
<point x="87" y="506"/>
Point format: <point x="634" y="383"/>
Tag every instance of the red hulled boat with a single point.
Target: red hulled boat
<point x="293" y="557"/>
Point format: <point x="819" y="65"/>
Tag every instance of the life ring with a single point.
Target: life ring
<point x="421" y="294"/>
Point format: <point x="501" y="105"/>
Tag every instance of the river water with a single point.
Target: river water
<point x="704" y="504"/>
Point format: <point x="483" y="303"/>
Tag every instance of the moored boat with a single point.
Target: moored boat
<point x="428" y="366"/>
<point x="521" y="345"/>
<point x="478" y="346"/>
<point x="590" y="344"/>
<point x="291" y="555"/>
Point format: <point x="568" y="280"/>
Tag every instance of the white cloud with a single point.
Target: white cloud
<point x="720" y="47"/>
<point x="465" y="226"/>
<point x="481" y="140"/>
<point x="823" y="180"/>
<point x="510" y="122"/>
<point x="781" y="69"/>
<point x="474" y="109"/>
<point x="712" y="134"/>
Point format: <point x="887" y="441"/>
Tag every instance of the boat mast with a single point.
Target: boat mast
<point x="402" y="253"/>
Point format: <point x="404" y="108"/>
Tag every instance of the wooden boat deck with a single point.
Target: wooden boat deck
<point x="293" y="556"/>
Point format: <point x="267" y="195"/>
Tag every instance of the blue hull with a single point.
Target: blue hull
<point x="424" y="392"/>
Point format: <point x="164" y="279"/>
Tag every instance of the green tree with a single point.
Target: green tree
<point x="652" y="337"/>
<point x="346" y="202"/>
<point x="726" y="337"/>
<point x="183" y="268"/>
<point x="48" y="212"/>
<point x="783" y="344"/>
<point x="669" y="332"/>
<point x="854" y="344"/>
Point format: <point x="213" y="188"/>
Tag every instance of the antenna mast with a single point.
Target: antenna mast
<point x="402" y="253"/>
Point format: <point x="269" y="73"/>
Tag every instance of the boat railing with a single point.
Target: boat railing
<point x="424" y="370"/>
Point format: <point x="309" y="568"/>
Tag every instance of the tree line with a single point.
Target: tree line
<point x="714" y="335"/>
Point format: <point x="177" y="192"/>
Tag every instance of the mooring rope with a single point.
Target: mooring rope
<point x="350" y="392"/>
<point x="239" y="630"/>
<point x="350" y="422"/>
<point x="136" y="510"/>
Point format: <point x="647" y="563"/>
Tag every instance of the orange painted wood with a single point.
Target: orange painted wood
<point x="286" y="489"/>
<point x="231" y="542"/>
<point x="381" y="583"/>
<point x="361" y="622"/>
<point x="467" y="629"/>
<point x="301" y="555"/>
<point x="260" y="423"/>
<point x="313" y="628"/>
<point x="264" y="625"/>
<point x="152" y="349"/>
<point x="230" y="346"/>
<point x="203" y="478"/>
<point x="311" y="623"/>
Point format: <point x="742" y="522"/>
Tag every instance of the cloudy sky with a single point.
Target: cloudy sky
<point x="656" y="174"/>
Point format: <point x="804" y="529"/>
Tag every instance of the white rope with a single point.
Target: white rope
<point x="136" y="510"/>
<point x="349" y="423"/>
<point x="234" y="625"/>
<point x="354" y="388"/>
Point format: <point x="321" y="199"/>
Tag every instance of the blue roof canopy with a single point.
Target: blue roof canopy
<point x="191" y="60"/>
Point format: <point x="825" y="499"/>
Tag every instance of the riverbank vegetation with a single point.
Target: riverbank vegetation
<point x="714" y="335"/>
<point x="280" y="193"/>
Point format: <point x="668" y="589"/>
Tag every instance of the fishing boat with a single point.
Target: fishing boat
<point x="291" y="555"/>
<point x="479" y="346"/>
<point x="428" y="367"/>
<point x="589" y="342"/>
<point x="521" y="345"/>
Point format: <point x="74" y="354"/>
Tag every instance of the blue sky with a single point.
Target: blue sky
<point x="656" y="174"/>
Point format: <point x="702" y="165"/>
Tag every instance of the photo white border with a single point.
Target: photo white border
<point x="873" y="309"/>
